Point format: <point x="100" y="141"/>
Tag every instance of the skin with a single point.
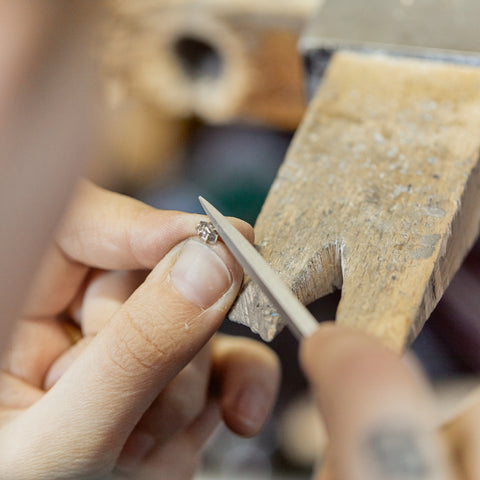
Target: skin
<point x="92" y="399"/>
<point x="109" y="361"/>
<point x="363" y="392"/>
<point x="137" y="382"/>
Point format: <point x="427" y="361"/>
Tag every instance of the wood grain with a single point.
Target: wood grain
<point x="251" y="46"/>
<point x="379" y="195"/>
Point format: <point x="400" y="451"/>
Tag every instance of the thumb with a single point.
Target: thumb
<point x="92" y="409"/>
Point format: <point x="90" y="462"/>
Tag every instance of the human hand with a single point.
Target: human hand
<point x="141" y="389"/>
<point x="380" y="414"/>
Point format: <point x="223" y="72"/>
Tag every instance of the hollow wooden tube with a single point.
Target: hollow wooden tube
<point x="215" y="59"/>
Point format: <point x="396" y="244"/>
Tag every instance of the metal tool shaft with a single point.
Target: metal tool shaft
<point x="300" y="321"/>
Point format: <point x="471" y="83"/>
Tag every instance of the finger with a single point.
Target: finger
<point x="109" y="231"/>
<point x="56" y="282"/>
<point x="181" y="401"/>
<point x="204" y="425"/>
<point x="16" y="393"/>
<point x="114" y="232"/>
<point x="247" y="376"/>
<point x="64" y="362"/>
<point x="324" y="470"/>
<point x="463" y="436"/>
<point x="157" y="332"/>
<point x="34" y="346"/>
<point x="104" y="295"/>
<point x="178" y="459"/>
<point x="102" y="298"/>
<point x="379" y="417"/>
<point x="138" y="445"/>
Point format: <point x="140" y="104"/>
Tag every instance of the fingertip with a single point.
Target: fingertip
<point x="248" y="411"/>
<point x="249" y="377"/>
<point x="312" y="346"/>
<point x="243" y="227"/>
<point x="332" y="345"/>
<point x="60" y="366"/>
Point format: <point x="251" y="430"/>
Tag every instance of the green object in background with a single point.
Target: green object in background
<point x="233" y="166"/>
<point x="242" y="198"/>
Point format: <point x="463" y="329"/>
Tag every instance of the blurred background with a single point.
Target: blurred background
<point x="203" y="98"/>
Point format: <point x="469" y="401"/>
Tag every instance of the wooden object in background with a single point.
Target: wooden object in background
<point x="379" y="195"/>
<point x="220" y="60"/>
<point x="140" y="142"/>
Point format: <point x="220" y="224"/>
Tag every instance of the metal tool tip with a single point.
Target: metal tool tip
<point x="207" y="206"/>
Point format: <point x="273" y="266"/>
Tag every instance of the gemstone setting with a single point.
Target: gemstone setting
<point x="206" y="231"/>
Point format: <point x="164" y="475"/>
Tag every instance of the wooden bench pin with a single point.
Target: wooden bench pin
<point x="379" y="194"/>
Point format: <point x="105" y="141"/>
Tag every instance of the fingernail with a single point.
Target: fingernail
<point x="200" y="275"/>
<point x="251" y="407"/>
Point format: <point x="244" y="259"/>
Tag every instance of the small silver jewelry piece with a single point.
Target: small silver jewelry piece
<point x="206" y="231"/>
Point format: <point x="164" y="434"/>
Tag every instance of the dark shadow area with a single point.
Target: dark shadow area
<point x="197" y="58"/>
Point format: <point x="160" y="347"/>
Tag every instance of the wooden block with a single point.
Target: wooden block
<point x="379" y="195"/>
<point x="215" y="59"/>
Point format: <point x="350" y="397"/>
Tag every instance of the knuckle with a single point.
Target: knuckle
<point x="186" y="401"/>
<point x="185" y="409"/>
<point x="135" y="347"/>
<point x="177" y="406"/>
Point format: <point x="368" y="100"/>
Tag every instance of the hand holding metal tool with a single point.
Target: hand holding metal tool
<point x="298" y="319"/>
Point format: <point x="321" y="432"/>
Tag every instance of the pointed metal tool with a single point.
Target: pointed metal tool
<point x="299" y="320"/>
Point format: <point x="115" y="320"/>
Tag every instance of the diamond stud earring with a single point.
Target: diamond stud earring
<point x="206" y="231"/>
